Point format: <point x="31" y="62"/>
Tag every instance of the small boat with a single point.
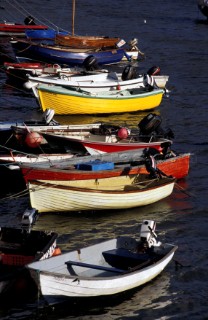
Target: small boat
<point x="141" y="191"/>
<point x="89" y="42"/>
<point x="18" y="247"/>
<point x="17" y="29"/>
<point x="22" y="135"/>
<point x="62" y="55"/>
<point x="129" y="162"/>
<point x="65" y="101"/>
<point x="103" y="269"/>
<point x="98" y="81"/>
<point x="22" y="70"/>
<point x="39" y="35"/>
<point x="19" y="72"/>
<point x="203" y="7"/>
<point x="100" y="138"/>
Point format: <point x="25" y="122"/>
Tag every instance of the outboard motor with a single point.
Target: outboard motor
<point x="148" y="235"/>
<point x="129" y="73"/>
<point x="133" y="44"/>
<point x="90" y="63"/>
<point x="29" y="20"/>
<point x="48" y="117"/>
<point x="149" y="124"/>
<point x="148" y="82"/>
<point x="154" y="71"/>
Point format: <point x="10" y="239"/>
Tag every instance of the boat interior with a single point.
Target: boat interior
<point x="113" y="257"/>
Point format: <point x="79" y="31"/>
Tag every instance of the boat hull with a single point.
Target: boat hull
<point x="68" y="102"/>
<point x="47" y="197"/>
<point x="92" y="42"/>
<point x="60" y="285"/>
<point x="64" y="56"/>
<point x="96" y="144"/>
<point x="19" y="248"/>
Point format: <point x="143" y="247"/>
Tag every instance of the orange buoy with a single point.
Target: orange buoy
<point x="123" y="133"/>
<point x="56" y="252"/>
<point x="33" y="139"/>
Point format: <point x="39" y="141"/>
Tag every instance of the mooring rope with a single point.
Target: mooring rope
<point x="21" y="9"/>
<point x="24" y="12"/>
<point x="17" y="195"/>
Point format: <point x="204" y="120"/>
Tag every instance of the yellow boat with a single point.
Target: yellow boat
<point x="68" y="101"/>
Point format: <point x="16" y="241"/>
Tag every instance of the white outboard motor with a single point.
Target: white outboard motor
<point x="133" y="44"/>
<point x="48" y="115"/>
<point x="29" y="218"/>
<point x="147" y="233"/>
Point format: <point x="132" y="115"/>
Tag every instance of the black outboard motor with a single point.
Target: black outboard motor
<point x="90" y="63"/>
<point x="148" y="82"/>
<point x="129" y="73"/>
<point x="154" y="71"/>
<point x="150" y="124"/>
<point x="29" y="20"/>
<point x="150" y="165"/>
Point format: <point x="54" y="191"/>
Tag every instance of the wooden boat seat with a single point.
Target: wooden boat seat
<point x="93" y="266"/>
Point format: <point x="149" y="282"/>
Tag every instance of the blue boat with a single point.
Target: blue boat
<point x="43" y="34"/>
<point x="25" y="49"/>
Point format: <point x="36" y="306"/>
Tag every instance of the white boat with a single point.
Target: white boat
<point x="104" y="269"/>
<point x="98" y="81"/>
<point x="14" y="160"/>
<point x="56" y="197"/>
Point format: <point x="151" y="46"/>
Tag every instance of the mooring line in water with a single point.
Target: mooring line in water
<point x="15" y="195"/>
<point x="184" y="191"/>
<point x="179" y="264"/>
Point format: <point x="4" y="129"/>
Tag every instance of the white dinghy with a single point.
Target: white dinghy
<point x="104" y="269"/>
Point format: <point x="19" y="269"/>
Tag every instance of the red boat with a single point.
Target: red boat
<point x="176" y="166"/>
<point x="20" y="71"/>
<point x="17" y="29"/>
<point x="110" y="138"/>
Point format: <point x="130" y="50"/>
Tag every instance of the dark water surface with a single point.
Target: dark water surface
<point x="175" y="38"/>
